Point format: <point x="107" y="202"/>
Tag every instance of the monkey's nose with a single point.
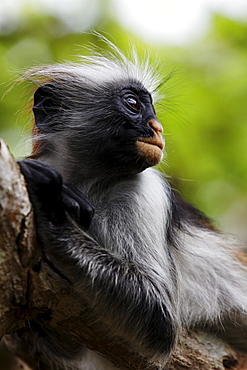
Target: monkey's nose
<point x="155" y="125"/>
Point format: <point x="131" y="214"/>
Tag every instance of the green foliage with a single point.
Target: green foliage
<point x="204" y="112"/>
<point x="210" y="145"/>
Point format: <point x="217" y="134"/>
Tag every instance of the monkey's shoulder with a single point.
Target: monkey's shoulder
<point x="183" y="212"/>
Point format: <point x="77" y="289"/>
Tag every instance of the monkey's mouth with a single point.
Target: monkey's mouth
<point x="151" y="148"/>
<point x="157" y="141"/>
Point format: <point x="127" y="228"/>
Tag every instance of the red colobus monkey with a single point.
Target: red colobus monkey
<point x="113" y="226"/>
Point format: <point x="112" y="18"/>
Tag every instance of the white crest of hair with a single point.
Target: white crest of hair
<point x="97" y="69"/>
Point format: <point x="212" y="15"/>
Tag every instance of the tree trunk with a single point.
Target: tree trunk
<point x="29" y="289"/>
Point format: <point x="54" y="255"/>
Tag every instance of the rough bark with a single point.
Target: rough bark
<point x="29" y="288"/>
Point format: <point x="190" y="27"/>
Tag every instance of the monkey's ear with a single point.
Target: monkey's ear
<point x="46" y="106"/>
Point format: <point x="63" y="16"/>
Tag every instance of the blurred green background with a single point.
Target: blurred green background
<point x="204" y="111"/>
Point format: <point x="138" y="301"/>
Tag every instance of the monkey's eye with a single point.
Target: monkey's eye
<point x="132" y="103"/>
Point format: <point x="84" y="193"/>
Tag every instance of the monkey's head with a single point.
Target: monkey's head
<point x="97" y="116"/>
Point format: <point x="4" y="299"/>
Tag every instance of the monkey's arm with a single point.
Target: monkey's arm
<point x="118" y="292"/>
<point x="213" y="267"/>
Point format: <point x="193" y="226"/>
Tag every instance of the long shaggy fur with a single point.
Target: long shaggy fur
<point x="189" y="273"/>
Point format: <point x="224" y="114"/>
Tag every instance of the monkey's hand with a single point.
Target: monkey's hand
<point x="51" y="198"/>
<point x="77" y="205"/>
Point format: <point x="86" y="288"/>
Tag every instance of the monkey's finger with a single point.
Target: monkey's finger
<point x="77" y="205"/>
<point x="72" y="207"/>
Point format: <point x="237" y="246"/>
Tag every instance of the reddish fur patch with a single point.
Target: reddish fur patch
<point x="241" y="256"/>
<point x="208" y="224"/>
<point x="36" y="146"/>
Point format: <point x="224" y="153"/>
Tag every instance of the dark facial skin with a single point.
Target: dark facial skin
<point x="134" y="141"/>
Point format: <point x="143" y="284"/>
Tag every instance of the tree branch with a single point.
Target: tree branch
<point x="30" y="289"/>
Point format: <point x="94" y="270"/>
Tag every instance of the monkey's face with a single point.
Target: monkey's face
<point x="134" y="133"/>
<point x="139" y="116"/>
